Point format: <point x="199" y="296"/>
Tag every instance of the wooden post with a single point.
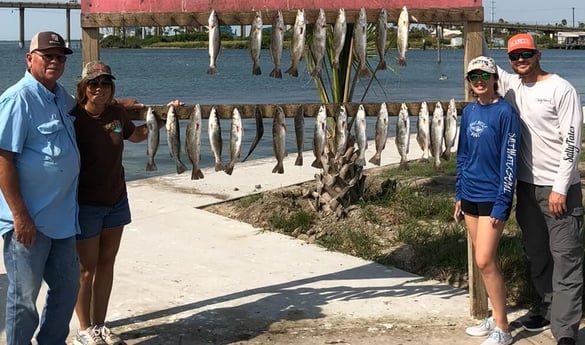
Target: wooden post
<point x="21" y="27"/>
<point x="473" y="47"/>
<point x="91" y="45"/>
<point x="478" y="298"/>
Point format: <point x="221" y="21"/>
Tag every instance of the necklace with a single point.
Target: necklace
<point x="92" y="114"/>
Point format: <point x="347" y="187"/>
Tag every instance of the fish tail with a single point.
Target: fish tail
<point x="446" y="155"/>
<point x="401" y="61"/>
<point x="279" y="168"/>
<point x="292" y="71"/>
<point x="219" y="166"/>
<point x="316" y="73"/>
<point x="256" y="69"/>
<point x="336" y="64"/>
<point x="196" y="174"/>
<point x="404" y="164"/>
<point x="212" y="70"/>
<point x="181" y="168"/>
<point x="151" y="166"/>
<point x="360" y="162"/>
<point x="276" y="73"/>
<point x="229" y="169"/>
<point x="317" y="164"/>
<point x="363" y="73"/>
<point x="375" y="159"/>
<point x="381" y="65"/>
<point x="299" y="160"/>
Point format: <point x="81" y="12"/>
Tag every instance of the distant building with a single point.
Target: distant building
<point x="575" y="39"/>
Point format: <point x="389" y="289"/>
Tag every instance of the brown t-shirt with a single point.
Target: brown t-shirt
<point x="101" y="145"/>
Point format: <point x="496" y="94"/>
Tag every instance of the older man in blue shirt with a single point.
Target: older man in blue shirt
<point x="39" y="169"/>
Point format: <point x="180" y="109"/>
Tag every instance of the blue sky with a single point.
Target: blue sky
<point x="539" y="12"/>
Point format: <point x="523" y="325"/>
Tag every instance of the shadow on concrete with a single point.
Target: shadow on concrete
<point x="224" y="320"/>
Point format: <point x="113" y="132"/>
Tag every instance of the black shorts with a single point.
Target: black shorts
<point x="477" y="208"/>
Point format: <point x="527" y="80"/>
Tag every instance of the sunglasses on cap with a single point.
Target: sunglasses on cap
<point x="50" y="57"/>
<point x="100" y="82"/>
<point x="485" y="76"/>
<point x="527" y="54"/>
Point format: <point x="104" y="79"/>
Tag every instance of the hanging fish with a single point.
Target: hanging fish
<point x="381" y="134"/>
<point x="403" y="135"/>
<point x="215" y="141"/>
<point x="339" y="32"/>
<point x="276" y="44"/>
<point x="319" y="137"/>
<point x="193" y="142"/>
<point x="402" y="36"/>
<point x="300" y="134"/>
<point x="450" y="129"/>
<point x="360" y="32"/>
<point x="360" y="130"/>
<point x="318" y="43"/>
<point x="279" y="139"/>
<point x="214" y="41"/>
<point x="259" y="131"/>
<point x="381" y="33"/>
<point x="256" y="43"/>
<point x="437" y="128"/>
<point x="423" y="127"/>
<point x="152" y="139"/>
<point x="236" y="136"/>
<point x="297" y="47"/>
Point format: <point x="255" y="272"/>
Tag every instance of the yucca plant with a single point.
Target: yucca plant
<point x="336" y="192"/>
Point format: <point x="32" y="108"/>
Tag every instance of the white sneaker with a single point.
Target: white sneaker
<point x="483" y="329"/>
<point x="110" y="337"/>
<point x="89" y="336"/>
<point x="498" y="337"/>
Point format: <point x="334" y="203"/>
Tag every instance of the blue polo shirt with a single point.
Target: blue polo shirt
<point x="36" y="126"/>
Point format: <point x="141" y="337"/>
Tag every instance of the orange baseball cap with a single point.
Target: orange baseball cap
<point x="521" y="41"/>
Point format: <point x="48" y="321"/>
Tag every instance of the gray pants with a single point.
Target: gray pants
<point x="555" y="250"/>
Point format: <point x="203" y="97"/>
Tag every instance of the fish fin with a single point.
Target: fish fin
<point x="196" y="174"/>
<point x="276" y="73"/>
<point x="381" y="65"/>
<point x="299" y="160"/>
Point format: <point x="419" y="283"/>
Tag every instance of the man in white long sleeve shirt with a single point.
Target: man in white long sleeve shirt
<point x="549" y="201"/>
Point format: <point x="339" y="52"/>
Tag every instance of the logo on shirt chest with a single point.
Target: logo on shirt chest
<point x="114" y="126"/>
<point x="476" y="128"/>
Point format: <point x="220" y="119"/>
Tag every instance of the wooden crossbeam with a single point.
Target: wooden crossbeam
<point x="427" y="15"/>
<point x="268" y="110"/>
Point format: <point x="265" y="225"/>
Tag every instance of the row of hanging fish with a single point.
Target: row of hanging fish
<point x="319" y="41"/>
<point x="433" y="133"/>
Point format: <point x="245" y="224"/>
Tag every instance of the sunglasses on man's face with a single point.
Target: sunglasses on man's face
<point x="527" y="54"/>
<point x="50" y="57"/>
<point x="100" y="83"/>
<point x="479" y="76"/>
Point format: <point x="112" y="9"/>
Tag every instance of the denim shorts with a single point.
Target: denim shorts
<point x="94" y="219"/>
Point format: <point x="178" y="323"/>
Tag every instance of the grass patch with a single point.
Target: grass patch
<point x="246" y="201"/>
<point x="287" y="225"/>
<point x="354" y="242"/>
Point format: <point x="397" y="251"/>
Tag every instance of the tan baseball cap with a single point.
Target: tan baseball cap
<point x="94" y="69"/>
<point x="46" y="40"/>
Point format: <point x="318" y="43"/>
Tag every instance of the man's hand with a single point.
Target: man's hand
<point x="557" y="204"/>
<point x="25" y="230"/>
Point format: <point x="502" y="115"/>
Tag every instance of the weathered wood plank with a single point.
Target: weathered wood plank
<point x="268" y="110"/>
<point x="456" y="15"/>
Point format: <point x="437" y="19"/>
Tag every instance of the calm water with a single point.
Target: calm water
<point x="155" y="76"/>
